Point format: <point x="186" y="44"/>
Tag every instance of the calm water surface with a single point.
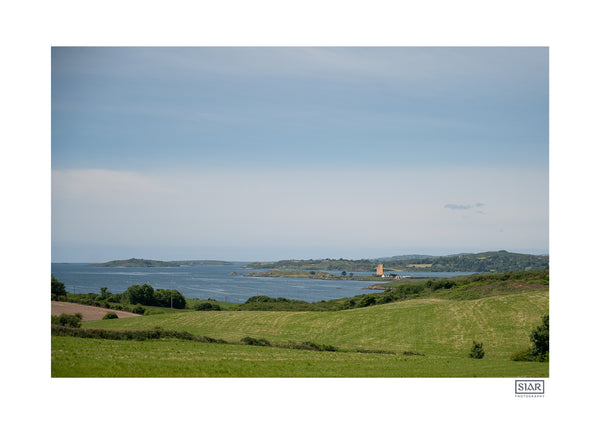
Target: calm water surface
<point x="213" y="281"/>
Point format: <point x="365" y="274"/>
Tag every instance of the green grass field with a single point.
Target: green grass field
<point x="442" y="330"/>
<point x="74" y="357"/>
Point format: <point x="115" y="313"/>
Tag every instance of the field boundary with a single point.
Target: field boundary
<point x="159" y="333"/>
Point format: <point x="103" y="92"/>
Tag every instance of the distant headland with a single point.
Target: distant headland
<point x="147" y="263"/>
<point x="500" y="261"/>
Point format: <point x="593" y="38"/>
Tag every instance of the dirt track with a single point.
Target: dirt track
<point x="89" y="313"/>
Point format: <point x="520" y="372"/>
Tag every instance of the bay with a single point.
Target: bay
<point x="214" y="281"/>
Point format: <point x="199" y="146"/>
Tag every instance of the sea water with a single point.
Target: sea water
<point x="214" y="282"/>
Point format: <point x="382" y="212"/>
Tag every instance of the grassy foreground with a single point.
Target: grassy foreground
<point x="442" y="330"/>
<point x="74" y="357"/>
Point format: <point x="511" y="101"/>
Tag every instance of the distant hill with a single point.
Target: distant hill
<point x="404" y="257"/>
<point x="146" y="263"/>
<point x="364" y="265"/>
<point x="201" y="262"/>
<point x="133" y="262"/>
<point x="501" y="261"/>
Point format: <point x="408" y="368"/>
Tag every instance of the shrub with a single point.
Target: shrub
<point x="110" y="315"/>
<point x="138" y="309"/>
<point x="115" y="298"/>
<point x="387" y="297"/>
<point x="207" y="306"/>
<point x="259" y="299"/>
<point x="310" y="346"/>
<point x="348" y="304"/>
<point x="522" y="355"/>
<point x="204" y="306"/>
<point x="443" y="285"/>
<point x="476" y="350"/>
<point x="255" y="342"/>
<point x="67" y="320"/>
<point x="366" y="300"/>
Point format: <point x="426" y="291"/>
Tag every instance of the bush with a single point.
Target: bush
<point x="348" y="304"/>
<point x="67" y="320"/>
<point x="255" y="342"/>
<point x="138" y="309"/>
<point x="522" y="355"/>
<point x="115" y="298"/>
<point x="366" y="300"/>
<point x="110" y="315"/>
<point x="312" y="346"/>
<point x="443" y="285"/>
<point x="476" y="350"/>
<point x="207" y="306"/>
<point x="259" y="299"/>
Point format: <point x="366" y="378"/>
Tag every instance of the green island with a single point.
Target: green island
<point x="482" y="325"/>
<point x="319" y="275"/>
<point x="133" y="262"/>
<point x="500" y="261"/>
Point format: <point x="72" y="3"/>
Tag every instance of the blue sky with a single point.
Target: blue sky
<point x="273" y="153"/>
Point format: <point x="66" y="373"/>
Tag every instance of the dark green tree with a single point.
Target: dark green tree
<point x="143" y="294"/>
<point x="540" y="337"/>
<point x="57" y="288"/>
<point x="104" y="293"/>
<point x="168" y="298"/>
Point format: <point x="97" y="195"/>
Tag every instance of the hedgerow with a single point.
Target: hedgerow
<point x="160" y="333"/>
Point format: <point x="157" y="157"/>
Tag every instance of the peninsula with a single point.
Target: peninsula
<point x="318" y="275"/>
<point x="500" y="261"/>
<point x="149" y="263"/>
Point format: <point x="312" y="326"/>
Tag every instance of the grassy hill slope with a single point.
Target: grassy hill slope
<point x="433" y="327"/>
<point x="429" y="337"/>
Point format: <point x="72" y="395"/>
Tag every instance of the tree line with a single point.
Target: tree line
<point x="136" y="294"/>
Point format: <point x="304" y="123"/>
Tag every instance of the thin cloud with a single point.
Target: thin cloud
<point x="456" y="207"/>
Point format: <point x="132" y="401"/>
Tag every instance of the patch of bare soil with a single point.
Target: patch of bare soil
<point x="88" y="313"/>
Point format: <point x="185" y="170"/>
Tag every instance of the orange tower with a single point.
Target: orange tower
<point x="380" y="269"/>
